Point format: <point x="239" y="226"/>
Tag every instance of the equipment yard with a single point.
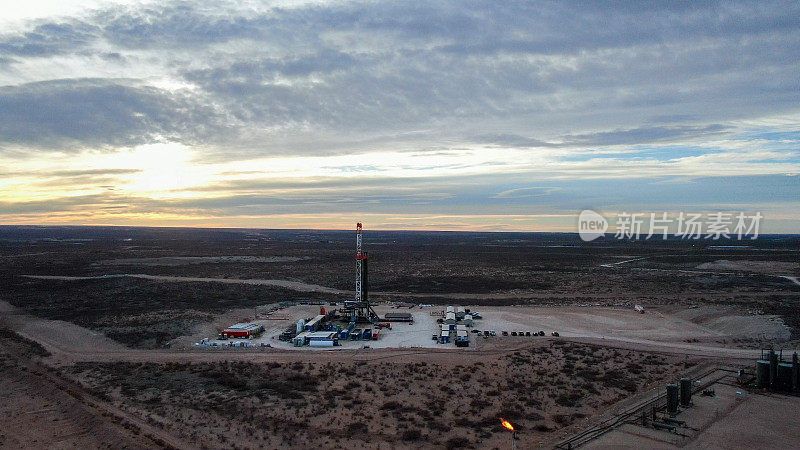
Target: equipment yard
<point x="701" y="327"/>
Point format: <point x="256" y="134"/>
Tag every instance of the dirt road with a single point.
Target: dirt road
<point x="792" y="279"/>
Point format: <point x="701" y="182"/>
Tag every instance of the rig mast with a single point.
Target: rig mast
<point x="360" y="309"/>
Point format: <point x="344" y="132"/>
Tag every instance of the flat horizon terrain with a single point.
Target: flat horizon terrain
<point x="109" y="317"/>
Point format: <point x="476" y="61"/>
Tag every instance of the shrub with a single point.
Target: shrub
<point x="411" y="434"/>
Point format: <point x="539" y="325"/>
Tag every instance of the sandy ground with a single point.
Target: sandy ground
<point x="734" y="419"/>
<point x="57" y="334"/>
<point x="36" y="414"/>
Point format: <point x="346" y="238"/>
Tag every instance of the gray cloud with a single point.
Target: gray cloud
<point x="49" y="38"/>
<point x="643" y="135"/>
<point x="67" y="114"/>
<point x="354" y="77"/>
<point x="526" y="192"/>
<point x="512" y="140"/>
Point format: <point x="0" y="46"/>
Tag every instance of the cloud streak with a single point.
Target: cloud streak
<point x="442" y="96"/>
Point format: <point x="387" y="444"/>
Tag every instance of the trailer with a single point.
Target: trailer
<point x="322" y="339"/>
<point x="315" y="323"/>
<point x="398" y="317"/>
<point x="242" y="331"/>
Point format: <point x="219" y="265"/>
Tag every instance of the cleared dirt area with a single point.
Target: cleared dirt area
<point x="702" y="327"/>
<point x="734" y="418"/>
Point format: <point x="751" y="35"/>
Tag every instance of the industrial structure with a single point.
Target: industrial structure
<point x="777" y="375"/>
<point x="242" y="331"/>
<point x="359" y="309"/>
<point x="355" y="321"/>
<point x="360" y="320"/>
<point x="454" y="324"/>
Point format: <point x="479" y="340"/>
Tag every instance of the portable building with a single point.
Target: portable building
<point x="460" y="312"/>
<point x="450" y="318"/>
<point x="462" y="338"/>
<point x="450" y="309"/>
<point x="468" y="320"/>
<point x="444" y="338"/>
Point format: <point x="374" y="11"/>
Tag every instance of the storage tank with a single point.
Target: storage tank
<point x="686" y="391"/>
<point x="773" y="369"/>
<point x="672" y="399"/>
<point x="784" y="382"/>
<point x="762" y="374"/>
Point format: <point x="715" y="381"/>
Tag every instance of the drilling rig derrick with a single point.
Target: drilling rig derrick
<point x="359" y="309"/>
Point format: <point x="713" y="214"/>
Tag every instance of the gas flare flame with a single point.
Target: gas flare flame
<point x="507" y="424"/>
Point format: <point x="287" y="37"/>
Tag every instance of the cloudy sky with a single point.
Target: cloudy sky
<point x="404" y="115"/>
